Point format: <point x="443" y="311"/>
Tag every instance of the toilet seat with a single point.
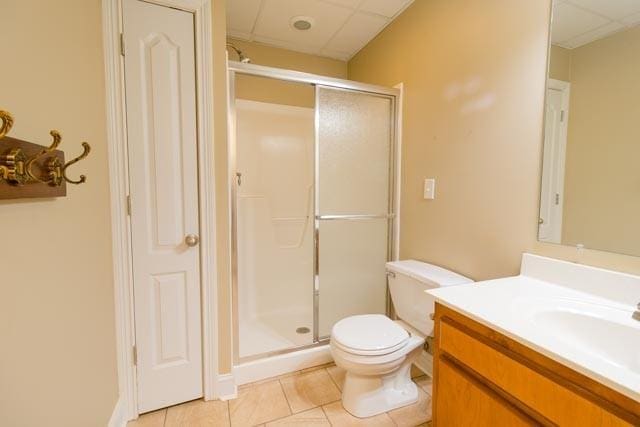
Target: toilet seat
<point x="369" y="335"/>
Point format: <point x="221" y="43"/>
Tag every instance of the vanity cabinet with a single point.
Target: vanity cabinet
<point x="484" y="378"/>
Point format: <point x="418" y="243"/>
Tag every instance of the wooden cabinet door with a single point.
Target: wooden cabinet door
<point x="463" y="401"/>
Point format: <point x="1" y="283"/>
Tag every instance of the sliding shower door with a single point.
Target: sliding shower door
<point x="354" y="151"/>
<point x="312" y="179"/>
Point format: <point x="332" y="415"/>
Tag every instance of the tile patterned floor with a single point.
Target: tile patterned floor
<point x="308" y="398"/>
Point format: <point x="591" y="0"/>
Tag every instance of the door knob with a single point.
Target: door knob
<point x="191" y="240"/>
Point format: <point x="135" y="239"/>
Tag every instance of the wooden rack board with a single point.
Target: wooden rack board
<point x="30" y="189"/>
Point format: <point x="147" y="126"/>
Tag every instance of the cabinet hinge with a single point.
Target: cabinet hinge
<point x="122" y="44"/>
<point x="557" y="198"/>
<point x="135" y="356"/>
<point x="129" y="205"/>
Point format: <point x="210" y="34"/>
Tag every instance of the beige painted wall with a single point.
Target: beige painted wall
<point x="261" y="55"/>
<point x="602" y="178"/>
<point x="473" y="120"/>
<point x="560" y="63"/>
<point x="57" y="363"/>
<point x="278" y="91"/>
<point x="474" y="86"/>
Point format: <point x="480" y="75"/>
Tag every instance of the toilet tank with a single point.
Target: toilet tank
<point x="408" y="281"/>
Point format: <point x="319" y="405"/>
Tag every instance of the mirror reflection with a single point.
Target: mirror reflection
<point x="590" y="193"/>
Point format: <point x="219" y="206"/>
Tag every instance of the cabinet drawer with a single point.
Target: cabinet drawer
<point x="467" y="402"/>
<point x="552" y="400"/>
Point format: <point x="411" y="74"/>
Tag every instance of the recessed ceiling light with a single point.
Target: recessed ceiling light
<point x="302" y="23"/>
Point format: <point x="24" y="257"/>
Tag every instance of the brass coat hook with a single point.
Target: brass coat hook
<point x="46" y="166"/>
<point x="7" y="123"/>
<point x="53" y="178"/>
<point x="86" y="149"/>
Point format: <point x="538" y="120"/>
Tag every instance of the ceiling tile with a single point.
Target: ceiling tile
<point x="631" y="19"/>
<point x="570" y="22"/>
<point x="594" y="35"/>
<point x="241" y="14"/>
<point x="342" y="56"/>
<point x="352" y="4"/>
<point x="274" y="21"/>
<point x="287" y="45"/>
<point x="388" y="8"/>
<point x="238" y="35"/>
<point x="360" y="28"/>
<point x="612" y="9"/>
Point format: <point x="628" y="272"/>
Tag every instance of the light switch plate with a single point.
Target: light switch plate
<point x="429" y="189"/>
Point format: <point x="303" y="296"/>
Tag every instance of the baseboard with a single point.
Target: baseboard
<point x="282" y="364"/>
<point x="119" y="415"/>
<point x="226" y="388"/>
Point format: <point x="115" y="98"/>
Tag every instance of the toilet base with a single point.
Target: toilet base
<point x="365" y="396"/>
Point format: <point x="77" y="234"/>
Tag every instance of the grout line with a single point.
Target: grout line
<point x="285" y="397"/>
<point x="252" y="34"/>
<point x="325" y="413"/>
<point x="334" y="382"/>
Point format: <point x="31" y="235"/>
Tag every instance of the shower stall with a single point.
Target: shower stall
<point x="312" y="162"/>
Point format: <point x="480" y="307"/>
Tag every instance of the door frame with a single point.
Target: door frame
<point x="393" y="93"/>
<point x="119" y="184"/>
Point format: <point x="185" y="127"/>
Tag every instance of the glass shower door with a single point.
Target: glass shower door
<point x="354" y="170"/>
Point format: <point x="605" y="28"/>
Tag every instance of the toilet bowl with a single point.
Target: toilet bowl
<point x="377" y="352"/>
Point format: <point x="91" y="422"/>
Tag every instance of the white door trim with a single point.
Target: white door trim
<point x="119" y="182"/>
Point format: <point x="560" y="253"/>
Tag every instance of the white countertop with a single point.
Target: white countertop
<point x="592" y="333"/>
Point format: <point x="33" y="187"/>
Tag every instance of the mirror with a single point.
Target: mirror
<point x="590" y="191"/>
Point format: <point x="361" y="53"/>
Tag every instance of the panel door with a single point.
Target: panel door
<point x="551" y="196"/>
<point x="162" y="141"/>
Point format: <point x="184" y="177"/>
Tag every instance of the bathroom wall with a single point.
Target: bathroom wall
<point x="57" y="362"/>
<point x="277" y="91"/>
<point x="262" y="54"/>
<point x="601" y="203"/>
<point x="474" y="75"/>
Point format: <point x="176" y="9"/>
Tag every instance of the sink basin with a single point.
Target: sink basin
<point x="577" y="315"/>
<point x="603" y="332"/>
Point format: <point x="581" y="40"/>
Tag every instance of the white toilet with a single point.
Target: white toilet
<point x="377" y="352"/>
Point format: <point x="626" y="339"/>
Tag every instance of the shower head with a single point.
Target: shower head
<point x="241" y="57"/>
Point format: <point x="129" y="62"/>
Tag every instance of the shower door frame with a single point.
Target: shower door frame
<point x="318" y="82"/>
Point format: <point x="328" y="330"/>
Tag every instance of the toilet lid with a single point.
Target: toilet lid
<point x="369" y="334"/>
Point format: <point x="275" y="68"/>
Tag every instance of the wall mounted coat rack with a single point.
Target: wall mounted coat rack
<point x="31" y="170"/>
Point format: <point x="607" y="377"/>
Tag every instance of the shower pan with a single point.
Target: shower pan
<point x="312" y="163"/>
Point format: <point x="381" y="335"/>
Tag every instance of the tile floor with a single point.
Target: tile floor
<point x="310" y="397"/>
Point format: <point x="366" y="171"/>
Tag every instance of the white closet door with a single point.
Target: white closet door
<point x="161" y="121"/>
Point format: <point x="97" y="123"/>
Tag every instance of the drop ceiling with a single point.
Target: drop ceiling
<point x="579" y="22"/>
<point x="340" y="27"/>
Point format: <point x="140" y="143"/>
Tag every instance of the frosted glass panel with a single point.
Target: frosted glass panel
<point x="354" y="136"/>
<point x="352" y="270"/>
